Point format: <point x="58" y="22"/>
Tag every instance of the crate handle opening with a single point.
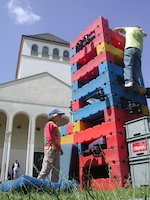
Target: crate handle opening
<point x="137" y="134"/>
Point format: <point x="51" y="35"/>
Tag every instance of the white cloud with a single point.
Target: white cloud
<point x="22" y="14"/>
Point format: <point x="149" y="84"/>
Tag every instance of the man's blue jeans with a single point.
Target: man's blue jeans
<point x="132" y="62"/>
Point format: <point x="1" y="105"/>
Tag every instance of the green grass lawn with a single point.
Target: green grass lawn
<point x="76" y="194"/>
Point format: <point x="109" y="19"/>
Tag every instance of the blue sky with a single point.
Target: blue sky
<point x="65" y="19"/>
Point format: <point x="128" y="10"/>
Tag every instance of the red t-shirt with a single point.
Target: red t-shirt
<point x="52" y="135"/>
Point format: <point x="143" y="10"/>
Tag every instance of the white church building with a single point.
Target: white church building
<point x="43" y="82"/>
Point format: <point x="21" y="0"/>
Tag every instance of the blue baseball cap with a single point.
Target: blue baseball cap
<point x="55" y="112"/>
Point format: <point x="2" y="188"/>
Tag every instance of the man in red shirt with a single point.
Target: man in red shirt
<point x="52" y="147"/>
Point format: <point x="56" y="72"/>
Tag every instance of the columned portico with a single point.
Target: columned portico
<point x="23" y="116"/>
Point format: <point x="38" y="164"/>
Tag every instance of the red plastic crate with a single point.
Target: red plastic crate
<point x="69" y="128"/>
<point x="118" y="40"/>
<point x="119" y="169"/>
<point x="112" y="37"/>
<point x="115" y="154"/>
<point x="107" y="183"/>
<point x="110" y="183"/>
<point x="120" y="114"/>
<point x="76" y="105"/>
<point x="86" y="70"/>
<point x="102" y="29"/>
<point x="97" y="131"/>
<point x="101" y="37"/>
<point x="89" y="30"/>
<point x="91" y="161"/>
<point x="84" y="55"/>
<point x="115" y="113"/>
<point x="116" y="139"/>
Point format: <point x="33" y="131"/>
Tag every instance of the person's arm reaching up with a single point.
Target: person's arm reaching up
<point x="119" y="29"/>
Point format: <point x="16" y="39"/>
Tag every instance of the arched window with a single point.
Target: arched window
<point x="34" y="50"/>
<point x="56" y="54"/>
<point x="45" y="51"/>
<point x="66" y="55"/>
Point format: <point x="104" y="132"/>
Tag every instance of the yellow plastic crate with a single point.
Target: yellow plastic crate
<point x="67" y="139"/>
<point x="145" y="110"/>
<point x="104" y="46"/>
<point x="79" y="126"/>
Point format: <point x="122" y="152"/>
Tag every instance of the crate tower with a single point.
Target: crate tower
<point x="101" y="105"/>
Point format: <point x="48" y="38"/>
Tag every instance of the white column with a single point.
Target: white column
<point x="4" y="160"/>
<point x="6" y="150"/>
<point x="30" y="148"/>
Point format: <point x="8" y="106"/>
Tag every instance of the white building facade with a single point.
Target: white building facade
<point x="44" y="53"/>
<point x="42" y="84"/>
